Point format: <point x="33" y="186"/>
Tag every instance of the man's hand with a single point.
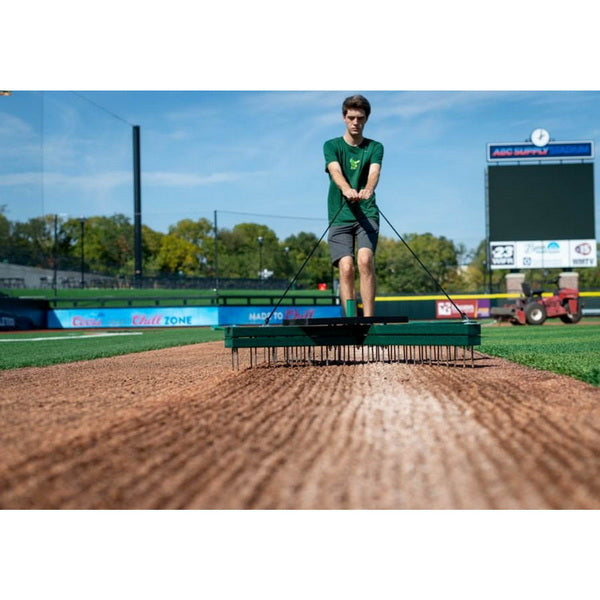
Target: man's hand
<point x="351" y="194"/>
<point x="338" y="178"/>
<point x="369" y="189"/>
<point x="365" y="193"/>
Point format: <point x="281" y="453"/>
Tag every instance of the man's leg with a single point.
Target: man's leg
<point x="341" y="247"/>
<point x="366" y="269"/>
<point x="347" y="290"/>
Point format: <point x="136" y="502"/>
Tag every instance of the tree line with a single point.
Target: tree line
<point x="248" y="250"/>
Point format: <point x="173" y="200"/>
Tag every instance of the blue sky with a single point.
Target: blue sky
<point x="256" y="156"/>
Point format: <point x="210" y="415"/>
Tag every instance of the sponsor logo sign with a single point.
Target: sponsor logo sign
<point x="132" y="317"/>
<point x="256" y="315"/>
<point x="475" y="308"/>
<point x="583" y="253"/>
<point x="192" y="316"/>
<point x="537" y="254"/>
<point x="542" y="254"/>
<point x="511" y="151"/>
<point x="502" y="255"/>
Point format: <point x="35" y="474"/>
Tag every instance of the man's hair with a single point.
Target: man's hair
<point x="356" y="102"/>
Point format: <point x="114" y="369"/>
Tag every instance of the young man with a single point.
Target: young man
<point x="354" y="164"/>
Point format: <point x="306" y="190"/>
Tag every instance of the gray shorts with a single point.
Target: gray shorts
<point x="342" y="238"/>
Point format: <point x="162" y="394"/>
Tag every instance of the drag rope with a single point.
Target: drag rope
<point x="460" y="312"/>
<point x="293" y="280"/>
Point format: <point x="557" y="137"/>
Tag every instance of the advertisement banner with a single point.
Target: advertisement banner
<point x="508" y="151"/>
<point x="502" y="255"/>
<point x="190" y="316"/>
<point x="543" y="254"/>
<point x="474" y="309"/>
<point x="256" y="315"/>
<point x="583" y="253"/>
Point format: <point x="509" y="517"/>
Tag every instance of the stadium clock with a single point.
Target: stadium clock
<point x="540" y="137"/>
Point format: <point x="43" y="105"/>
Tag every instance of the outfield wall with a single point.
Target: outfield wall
<point x="475" y="306"/>
<point x="184" y="316"/>
<point x="16" y="313"/>
<point x="431" y="307"/>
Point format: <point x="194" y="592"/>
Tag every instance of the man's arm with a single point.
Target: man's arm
<point x="335" y="170"/>
<point x="372" y="181"/>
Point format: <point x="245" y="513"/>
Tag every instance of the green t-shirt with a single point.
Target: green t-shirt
<point x="355" y="162"/>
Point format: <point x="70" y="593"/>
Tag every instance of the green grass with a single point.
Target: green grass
<point x="572" y="350"/>
<point x="29" y="351"/>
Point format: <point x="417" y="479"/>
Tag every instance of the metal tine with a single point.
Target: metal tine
<point x="447" y="355"/>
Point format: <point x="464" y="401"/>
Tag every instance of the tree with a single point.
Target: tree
<point x="33" y="243"/>
<point x="245" y="249"/>
<point x="200" y="234"/>
<point x="590" y="278"/>
<point x="109" y="245"/>
<point x="4" y="235"/>
<point x="151" y="244"/>
<point x="475" y="274"/>
<point x="398" y="272"/>
<point x="318" y="269"/>
<point x="177" y="256"/>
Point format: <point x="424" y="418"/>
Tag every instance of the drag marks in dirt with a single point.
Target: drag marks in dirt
<point x="177" y="428"/>
<point x="541" y="427"/>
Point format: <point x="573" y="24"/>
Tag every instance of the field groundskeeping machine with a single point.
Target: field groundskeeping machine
<point x="355" y="339"/>
<point x="532" y="308"/>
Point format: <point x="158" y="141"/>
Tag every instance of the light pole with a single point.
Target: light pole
<point x="287" y="260"/>
<point x="55" y="257"/>
<point x="82" y="222"/>
<point x="260" y="240"/>
<point x="55" y="252"/>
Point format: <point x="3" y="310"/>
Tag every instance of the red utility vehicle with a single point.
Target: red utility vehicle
<point x="533" y="309"/>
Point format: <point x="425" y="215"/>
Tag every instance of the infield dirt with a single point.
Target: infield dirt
<point x="178" y="428"/>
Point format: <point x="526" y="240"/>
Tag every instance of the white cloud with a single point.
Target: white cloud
<point x="190" y="179"/>
<point x="96" y="181"/>
<point x="14" y="127"/>
<point x="114" y="179"/>
<point x="408" y="105"/>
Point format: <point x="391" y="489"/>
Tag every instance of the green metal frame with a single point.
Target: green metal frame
<point x="454" y="333"/>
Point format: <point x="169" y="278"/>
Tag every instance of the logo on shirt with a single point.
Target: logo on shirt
<point x="354" y="164"/>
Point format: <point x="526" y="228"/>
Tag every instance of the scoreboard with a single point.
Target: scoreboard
<point x="541" y="215"/>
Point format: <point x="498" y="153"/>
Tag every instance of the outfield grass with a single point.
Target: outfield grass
<point x="40" y="349"/>
<point x="572" y="350"/>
